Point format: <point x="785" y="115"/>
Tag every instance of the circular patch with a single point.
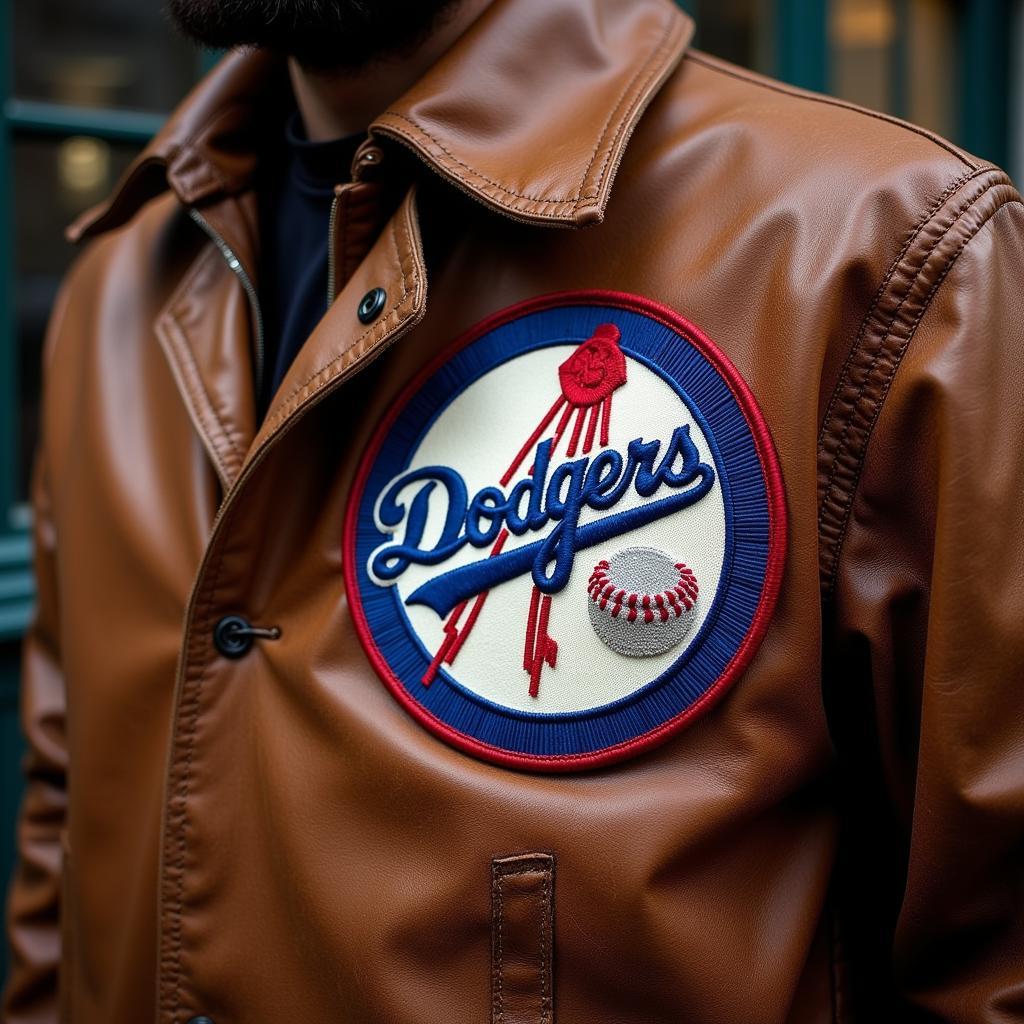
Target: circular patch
<point x="565" y="540"/>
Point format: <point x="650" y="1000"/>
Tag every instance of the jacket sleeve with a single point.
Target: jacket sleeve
<point x="33" y="903"/>
<point x="924" y="662"/>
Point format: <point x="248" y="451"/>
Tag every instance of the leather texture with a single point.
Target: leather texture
<point x="273" y="838"/>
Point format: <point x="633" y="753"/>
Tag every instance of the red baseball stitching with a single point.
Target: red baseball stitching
<point x="678" y="599"/>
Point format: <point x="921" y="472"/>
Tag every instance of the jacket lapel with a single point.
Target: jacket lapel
<point x="210" y="333"/>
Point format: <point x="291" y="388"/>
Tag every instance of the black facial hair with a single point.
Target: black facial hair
<point x="320" y="34"/>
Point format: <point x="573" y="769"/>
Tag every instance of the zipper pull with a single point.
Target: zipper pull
<point x="368" y="158"/>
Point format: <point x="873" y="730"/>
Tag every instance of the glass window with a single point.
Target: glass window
<point x="897" y="56"/>
<point x="931" y="65"/>
<point x="104" y="56"/>
<point x="863" y="34"/>
<point x="105" y="53"/>
<point x="740" y="31"/>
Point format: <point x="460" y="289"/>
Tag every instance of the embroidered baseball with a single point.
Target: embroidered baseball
<point x="565" y="539"/>
<point x="641" y="602"/>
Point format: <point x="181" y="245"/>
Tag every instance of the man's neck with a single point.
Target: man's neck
<point x="335" y="103"/>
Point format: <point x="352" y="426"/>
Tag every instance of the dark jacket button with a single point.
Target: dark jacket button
<point x="232" y="636"/>
<point x="372" y="305"/>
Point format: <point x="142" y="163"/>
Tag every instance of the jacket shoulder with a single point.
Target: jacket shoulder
<point x="843" y="180"/>
<point x="778" y="145"/>
<point x="824" y="126"/>
<point x="796" y="133"/>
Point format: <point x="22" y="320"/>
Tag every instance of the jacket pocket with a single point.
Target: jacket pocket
<point x="522" y="939"/>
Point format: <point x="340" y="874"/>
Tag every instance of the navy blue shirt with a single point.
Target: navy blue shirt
<point x="296" y="198"/>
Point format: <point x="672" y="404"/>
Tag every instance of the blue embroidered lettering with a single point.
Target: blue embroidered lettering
<point x="599" y="483"/>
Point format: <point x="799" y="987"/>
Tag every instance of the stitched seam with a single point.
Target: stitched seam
<point x="877" y="355"/>
<point x="187" y="742"/>
<point x="199" y="414"/>
<point x="651" y="67"/>
<point x="499" y="1006"/>
<point x="355" y="347"/>
<point x="847" y="508"/>
<point x="190" y="725"/>
<point x="912" y="236"/>
<point x="498" y="875"/>
<point x="477" y="174"/>
<point x="350" y="353"/>
<point x="200" y="622"/>
<point x="354" y="350"/>
<point x="832" y="102"/>
<point x="544" y="981"/>
<point x="474" y="189"/>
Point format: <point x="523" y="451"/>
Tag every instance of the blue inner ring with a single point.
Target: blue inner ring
<point x="711" y="402"/>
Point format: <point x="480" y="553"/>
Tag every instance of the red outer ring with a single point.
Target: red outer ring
<point x="777" y="531"/>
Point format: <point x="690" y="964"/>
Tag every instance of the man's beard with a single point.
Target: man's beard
<point x="320" y="34"/>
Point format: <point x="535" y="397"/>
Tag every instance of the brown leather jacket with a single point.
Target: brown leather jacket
<point x="291" y="835"/>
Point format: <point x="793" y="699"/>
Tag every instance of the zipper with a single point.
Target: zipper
<point x="367" y="156"/>
<point x="235" y="265"/>
<point x="332" y="222"/>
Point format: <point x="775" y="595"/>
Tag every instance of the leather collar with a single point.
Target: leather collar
<point x="530" y="112"/>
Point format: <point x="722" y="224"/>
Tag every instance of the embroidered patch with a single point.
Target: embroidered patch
<point x="565" y="540"/>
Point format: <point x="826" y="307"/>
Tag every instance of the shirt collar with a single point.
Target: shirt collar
<point x="530" y="112"/>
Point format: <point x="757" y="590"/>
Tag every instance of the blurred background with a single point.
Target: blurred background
<point x="83" y="86"/>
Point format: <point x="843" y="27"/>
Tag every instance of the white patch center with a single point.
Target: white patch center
<point x="479" y="435"/>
